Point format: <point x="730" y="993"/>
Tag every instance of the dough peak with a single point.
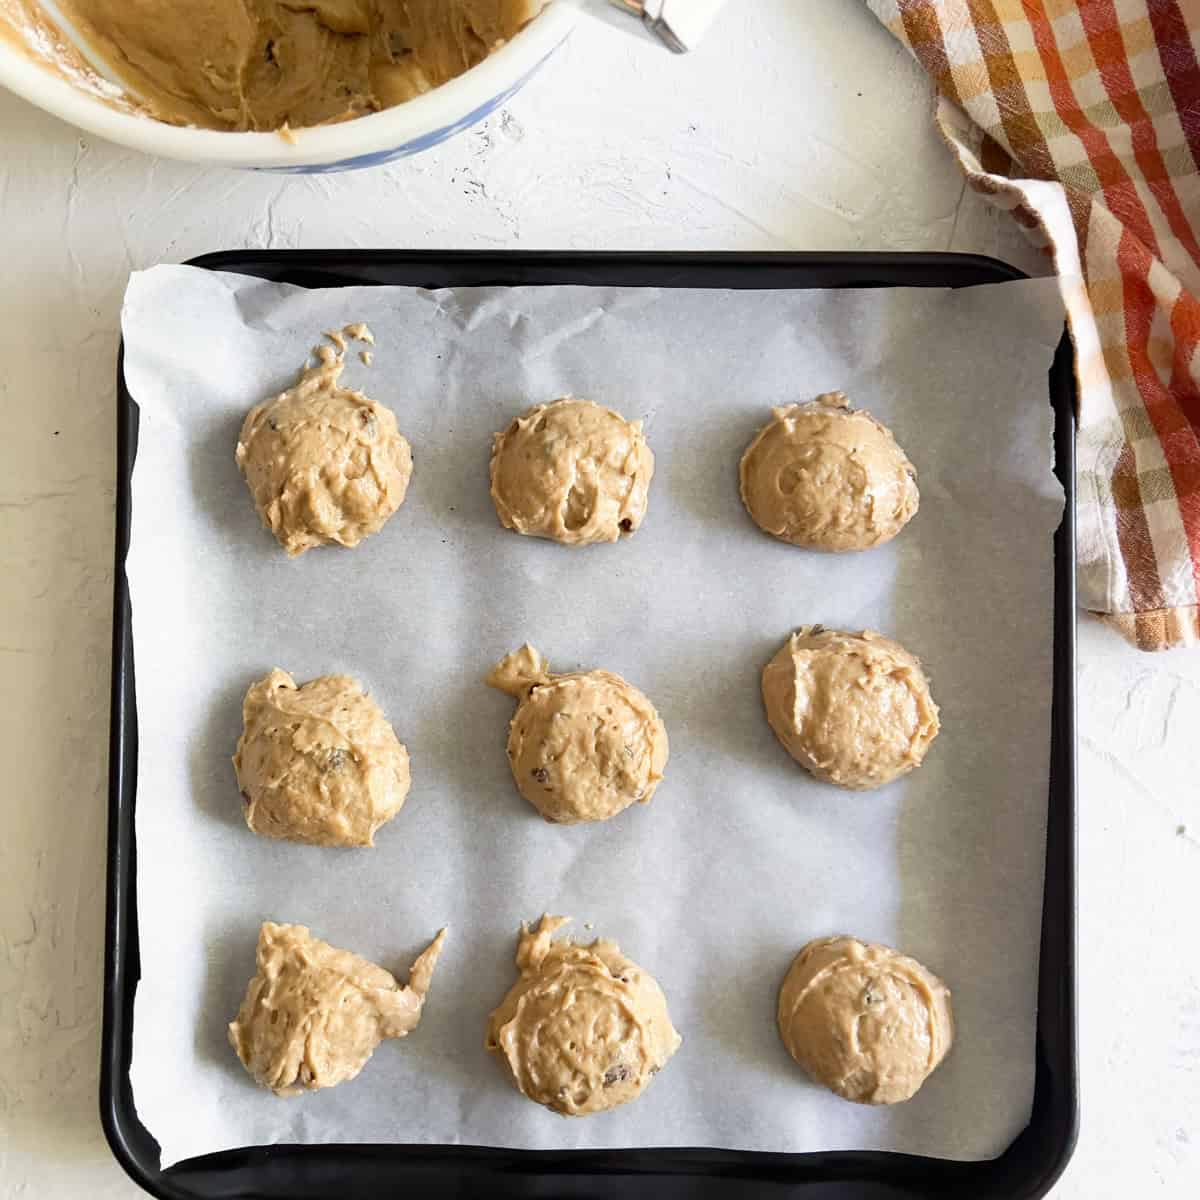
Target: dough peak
<point x="518" y="672"/>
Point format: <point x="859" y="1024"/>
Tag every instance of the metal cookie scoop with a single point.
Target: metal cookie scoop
<point x="679" y="23"/>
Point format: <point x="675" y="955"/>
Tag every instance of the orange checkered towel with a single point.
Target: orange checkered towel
<point x="1083" y="119"/>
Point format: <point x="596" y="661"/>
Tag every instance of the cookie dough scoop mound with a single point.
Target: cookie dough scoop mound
<point x="313" y="1014"/>
<point x="582" y="746"/>
<point x="318" y="763"/>
<point x="854" y="709"/>
<point x="828" y="477"/>
<point x="571" y="471"/>
<point x="863" y="1020"/>
<point x="583" y="1029"/>
<point x="323" y="463"/>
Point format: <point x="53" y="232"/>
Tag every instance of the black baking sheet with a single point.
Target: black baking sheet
<point x="1025" y="1170"/>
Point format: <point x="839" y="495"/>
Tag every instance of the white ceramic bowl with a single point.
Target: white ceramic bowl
<point x="363" y="142"/>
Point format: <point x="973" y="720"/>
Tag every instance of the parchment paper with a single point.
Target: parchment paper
<point x="741" y="857"/>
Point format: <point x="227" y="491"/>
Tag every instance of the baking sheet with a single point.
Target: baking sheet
<point x="741" y="857"/>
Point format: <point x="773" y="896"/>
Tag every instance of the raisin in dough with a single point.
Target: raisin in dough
<point x="313" y="1014"/>
<point x="573" y="472"/>
<point x="825" y="476"/>
<point x="318" y="763"/>
<point x="852" y="708"/>
<point x="323" y="463"/>
<point x="583" y="1029"/>
<point x="582" y="746"/>
<point x="865" y="1021"/>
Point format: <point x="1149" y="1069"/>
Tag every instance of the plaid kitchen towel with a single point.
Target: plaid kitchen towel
<point x="1083" y="119"/>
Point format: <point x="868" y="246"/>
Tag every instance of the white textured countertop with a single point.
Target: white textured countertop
<point x="796" y="126"/>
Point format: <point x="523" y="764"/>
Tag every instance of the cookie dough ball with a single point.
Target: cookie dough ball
<point x="583" y="1029"/>
<point x="313" y="1014"/>
<point x="318" y="763"/>
<point x="852" y="708"/>
<point x="827" y="477"/>
<point x="865" y="1021"/>
<point x="323" y="463"/>
<point x="573" y="472"/>
<point x="582" y="746"/>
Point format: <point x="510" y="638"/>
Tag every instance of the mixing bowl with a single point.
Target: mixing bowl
<point x="362" y="142"/>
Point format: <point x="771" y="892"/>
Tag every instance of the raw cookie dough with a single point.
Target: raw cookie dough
<point x="583" y="1029"/>
<point x="357" y="331"/>
<point x="318" y="763"/>
<point x="573" y="472"/>
<point x="313" y="1014"/>
<point x="279" y="64"/>
<point x="582" y="746"/>
<point x="323" y="463"/>
<point x="852" y="708"/>
<point x="865" y="1021"/>
<point x="825" y="476"/>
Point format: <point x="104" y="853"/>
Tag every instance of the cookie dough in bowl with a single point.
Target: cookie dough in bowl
<point x="318" y="763"/>
<point x="863" y="1020"/>
<point x="854" y="709"/>
<point x="45" y="67"/>
<point x="313" y="1014"/>
<point x="582" y="746"/>
<point x="323" y="463"/>
<point x="573" y="472"/>
<point x="280" y="64"/>
<point x="583" y="1029"/>
<point x="827" y="477"/>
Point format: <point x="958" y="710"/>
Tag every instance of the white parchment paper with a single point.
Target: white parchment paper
<point x="741" y="857"/>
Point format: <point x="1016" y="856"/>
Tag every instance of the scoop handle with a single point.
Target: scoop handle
<point x="680" y="24"/>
